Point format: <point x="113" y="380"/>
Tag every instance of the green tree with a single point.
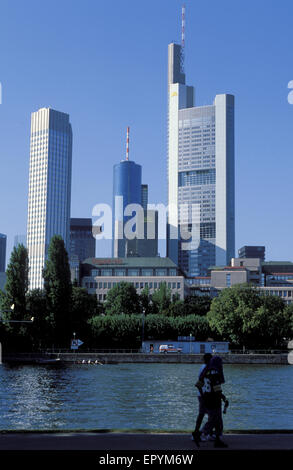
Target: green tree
<point x="244" y="317"/>
<point x="146" y="301"/>
<point x="197" y="304"/>
<point x="271" y="324"/>
<point x="113" y="331"/>
<point x="122" y="299"/>
<point x="58" y="290"/>
<point x="161" y="299"/>
<point x="13" y="302"/>
<point x="37" y="308"/>
<point x="176" y="308"/>
<point x="231" y="313"/>
<point x="16" y="284"/>
<point x="196" y="325"/>
<point x="84" y="307"/>
<point x="159" y="327"/>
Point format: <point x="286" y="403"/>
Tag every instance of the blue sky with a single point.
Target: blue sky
<point x="105" y="63"/>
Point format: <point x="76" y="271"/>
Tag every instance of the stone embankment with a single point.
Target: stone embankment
<point x="123" y="358"/>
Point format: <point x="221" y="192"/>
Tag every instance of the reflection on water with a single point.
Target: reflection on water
<point x="139" y="396"/>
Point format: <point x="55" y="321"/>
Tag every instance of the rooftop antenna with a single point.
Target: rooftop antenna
<point x="127" y="144"/>
<point x="182" y="38"/>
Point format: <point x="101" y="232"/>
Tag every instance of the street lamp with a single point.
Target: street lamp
<point x="142" y="333"/>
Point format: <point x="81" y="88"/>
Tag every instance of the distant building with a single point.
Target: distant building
<point x="19" y="240"/>
<point x="3" y="243"/>
<point x="200" y="175"/>
<point x="126" y="190"/>
<point x="148" y="246"/>
<point x="82" y="244"/>
<point x="82" y="241"/>
<point x="144" y="196"/>
<point x="269" y="278"/>
<point x="252" y="252"/>
<point x="49" y="187"/>
<point x="99" y="275"/>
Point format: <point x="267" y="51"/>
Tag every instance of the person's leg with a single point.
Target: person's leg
<point x="218" y="423"/>
<point x="210" y="424"/>
<point x="200" y="415"/>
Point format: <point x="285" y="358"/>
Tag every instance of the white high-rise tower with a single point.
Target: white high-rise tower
<point x="200" y="173"/>
<point x="49" y="187"/>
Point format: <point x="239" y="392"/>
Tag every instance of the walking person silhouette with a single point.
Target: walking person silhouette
<point x="201" y="407"/>
<point x="209" y="385"/>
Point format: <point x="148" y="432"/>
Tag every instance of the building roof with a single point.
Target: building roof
<point x="277" y="263"/>
<point x="282" y="274"/>
<point x="229" y="268"/>
<point x="199" y="277"/>
<point x="132" y="262"/>
<point x="277" y="266"/>
<point x="79" y="222"/>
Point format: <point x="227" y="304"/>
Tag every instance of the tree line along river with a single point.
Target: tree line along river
<point x="139" y="397"/>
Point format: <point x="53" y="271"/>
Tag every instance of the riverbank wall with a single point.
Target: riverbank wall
<point x="136" y="358"/>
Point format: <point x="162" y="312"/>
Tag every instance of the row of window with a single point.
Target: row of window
<point x="280" y="293"/>
<point x="190" y="178"/>
<point x="137" y="285"/>
<point x="133" y="272"/>
<point x="283" y="277"/>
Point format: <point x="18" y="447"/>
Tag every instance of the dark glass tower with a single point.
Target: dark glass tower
<point x="3" y="239"/>
<point x="82" y="241"/>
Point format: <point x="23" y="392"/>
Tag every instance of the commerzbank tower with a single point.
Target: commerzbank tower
<point x="201" y="181"/>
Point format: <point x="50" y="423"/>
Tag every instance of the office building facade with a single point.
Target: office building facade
<point x="3" y="243"/>
<point x="101" y="275"/>
<point x="49" y="187"/>
<point x="200" y="175"/>
<point x="82" y="244"/>
<point x="144" y="196"/>
<point x="142" y="240"/>
<point x="126" y="190"/>
<point x="268" y="278"/>
<point x="252" y="252"/>
<point x="148" y="246"/>
<point x="82" y="241"/>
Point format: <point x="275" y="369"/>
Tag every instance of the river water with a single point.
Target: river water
<point x="138" y="396"/>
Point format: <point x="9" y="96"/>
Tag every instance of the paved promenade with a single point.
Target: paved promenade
<point x="138" y="441"/>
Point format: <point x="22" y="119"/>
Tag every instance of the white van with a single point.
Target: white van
<point x="169" y="348"/>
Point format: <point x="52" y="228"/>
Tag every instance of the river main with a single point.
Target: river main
<point x="139" y="396"/>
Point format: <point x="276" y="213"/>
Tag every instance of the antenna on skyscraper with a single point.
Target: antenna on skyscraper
<point x="182" y="38"/>
<point x="127" y="144"/>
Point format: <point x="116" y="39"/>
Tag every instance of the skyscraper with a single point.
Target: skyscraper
<point x="82" y="244"/>
<point x="144" y="196"/>
<point x="49" y="187"/>
<point x="126" y="190"/>
<point x="3" y="241"/>
<point x="200" y="175"/>
<point x="82" y="241"/>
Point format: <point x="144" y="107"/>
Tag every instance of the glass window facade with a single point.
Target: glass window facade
<point x="49" y="187"/>
<point x="126" y="185"/>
